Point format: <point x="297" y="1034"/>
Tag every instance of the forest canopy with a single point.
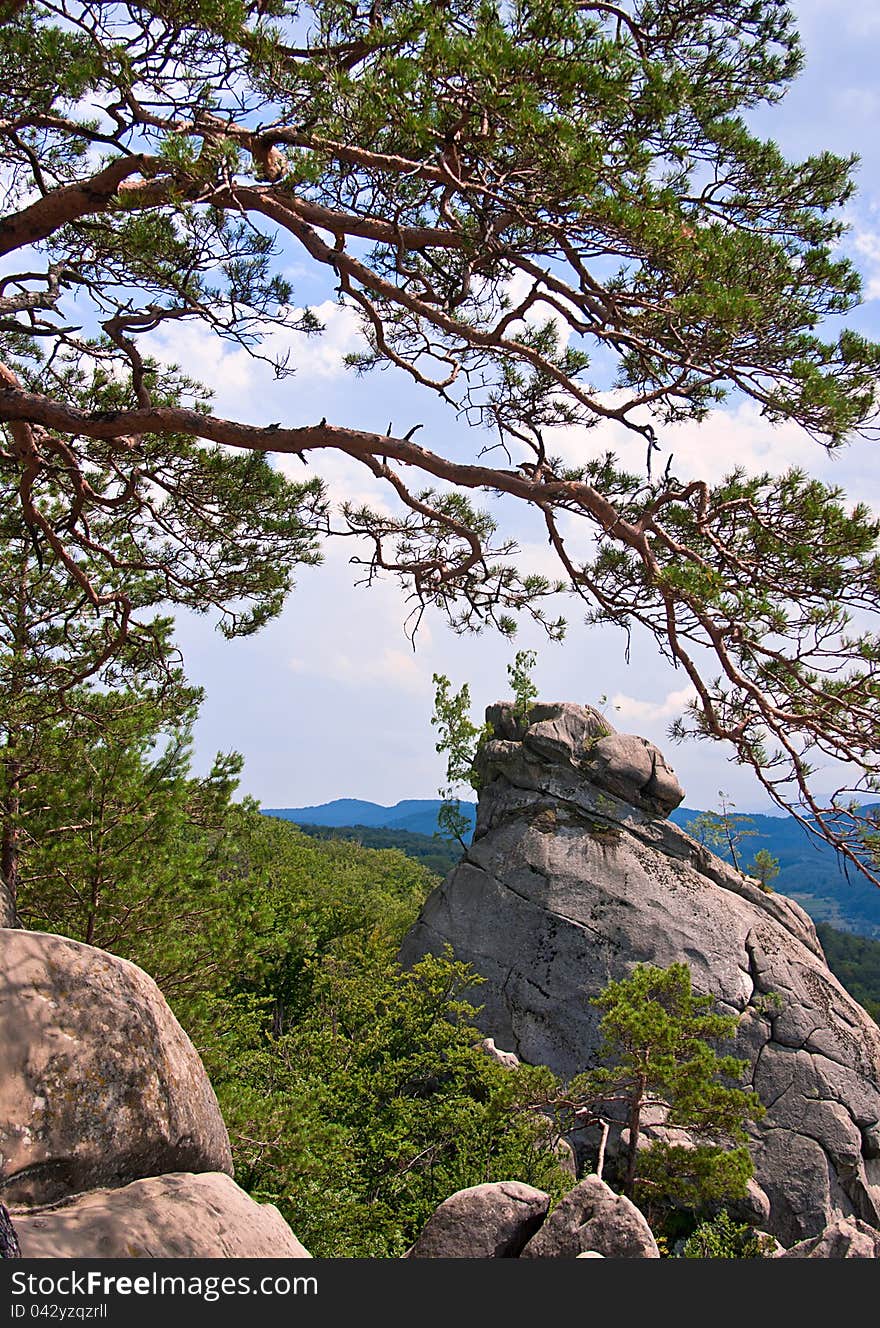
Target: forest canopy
<point x="552" y="216"/>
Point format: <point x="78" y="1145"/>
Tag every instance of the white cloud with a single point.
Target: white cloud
<point x="634" y="710"/>
<point x="246" y="387"/>
<point x="739" y="436"/>
<point x="518" y="288"/>
<point x="399" y="670"/>
<point x="321" y="355"/>
<point x="867" y="244"/>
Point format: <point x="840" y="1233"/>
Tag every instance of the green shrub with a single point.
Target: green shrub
<point x="722" y="1238"/>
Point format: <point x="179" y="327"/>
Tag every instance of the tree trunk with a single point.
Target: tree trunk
<point x="635" y="1117"/>
<point x="10" y="832"/>
<point x="600" y="1161"/>
<point x="9" y="1246"/>
<point x="9" y="846"/>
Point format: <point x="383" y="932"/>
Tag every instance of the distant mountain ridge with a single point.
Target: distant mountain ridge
<point x="809" y="869"/>
<point x="417" y="815"/>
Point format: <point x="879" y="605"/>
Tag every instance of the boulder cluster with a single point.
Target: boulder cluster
<point x="112" y="1144"/>
<point x="575" y="875"/>
<point x="507" y="1220"/>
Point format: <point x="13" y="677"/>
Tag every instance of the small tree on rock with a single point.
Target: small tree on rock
<point x="460" y="737"/>
<point x="657" y="1052"/>
<point x="765" y="868"/>
<point x="723" y="829"/>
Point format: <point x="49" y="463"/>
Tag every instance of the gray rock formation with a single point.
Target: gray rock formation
<point x="491" y="1221"/>
<point x="592" y="1218"/>
<point x="845" y="1238"/>
<point x="574" y="877"/>
<point x="100" y="1085"/>
<point x="205" y="1216"/>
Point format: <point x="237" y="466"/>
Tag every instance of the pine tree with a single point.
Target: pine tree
<point x="550" y="215"/>
<point x="658" y="1052"/>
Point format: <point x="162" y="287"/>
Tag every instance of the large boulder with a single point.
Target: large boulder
<point x="100" y="1085"/>
<point x="593" y="1219"/>
<point x="561" y="733"/>
<point x="178" y="1216"/>
<point x="573" y="877"/>
<point x="491" y="1221"/>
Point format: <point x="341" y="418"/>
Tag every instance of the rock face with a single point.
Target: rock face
<point x="100" y="1085"/>
<point x="593" y="1219"/>
<point x="491" y="1221"/>
<point x="165" y="1217"/>
<point x="574" y="877"/>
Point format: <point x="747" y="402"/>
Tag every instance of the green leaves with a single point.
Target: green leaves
<point x="459" y="739"/>
<point x="356" y="1093"/>
<point x="377" y="1104"/>
<point x="552" y="215"/>
<point x="118" y="840"/>
<point x="525" y="693"/>
<point x="657" y="1051"/>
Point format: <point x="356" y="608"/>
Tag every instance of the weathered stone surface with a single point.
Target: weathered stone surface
<point x="505" y="1058"/>
<point x="565" y="734"/>
<point x="593" y="1218"/>
<point x="845" y="1238"/>
<point x="7" y="908"/>
<point x="566" y="1157"/>
<point x="491" y="1221"/>
<point x="573" y="878"/>
<point x="99" y="1085"/>
<point x="178" y="1216"/>
<point x="753" y="1209"/>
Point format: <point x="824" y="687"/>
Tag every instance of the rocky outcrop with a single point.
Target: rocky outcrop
<point x="100" y="1084"/>
<point x="205" y="1216"/>
<point x="593" y="1219"/>
<point x="846" y="1238"/>
<point x="505" y="1058"/>
<point x="574" y="876"/>
<point x="491" y="1221"/>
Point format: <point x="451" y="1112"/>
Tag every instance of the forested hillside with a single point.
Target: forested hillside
<point x="809" y="869"/>
<point x="355" y="1094"/>
<point x="854" y="959"/>
<point x="437" y="854"/>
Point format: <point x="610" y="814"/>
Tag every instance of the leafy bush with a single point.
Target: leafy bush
<point x="722" y="1238"/>
<point x="375" y="1104"/>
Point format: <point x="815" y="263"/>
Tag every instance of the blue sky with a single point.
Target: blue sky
<point x="330" y="700"/>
